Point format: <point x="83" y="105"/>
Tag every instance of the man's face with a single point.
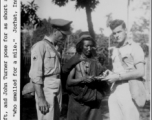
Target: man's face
<point x="87" y="47"/>
<point x="59" y="38"/>
<point x="119" y="34"/>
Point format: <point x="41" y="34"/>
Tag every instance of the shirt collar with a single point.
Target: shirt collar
<point x="49" y="39"/>
<point x="128" y="42"/>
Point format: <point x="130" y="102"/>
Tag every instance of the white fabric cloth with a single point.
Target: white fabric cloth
<point x="121" y="105"/>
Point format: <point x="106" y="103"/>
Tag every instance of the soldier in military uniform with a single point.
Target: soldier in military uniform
<point x="45" y="70"/>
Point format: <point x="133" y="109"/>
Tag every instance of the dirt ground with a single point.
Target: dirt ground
<point x="28" y="111"/>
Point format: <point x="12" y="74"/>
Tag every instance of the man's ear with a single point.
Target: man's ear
<point x="126" y="30"/>
<point x="54" y="31"/>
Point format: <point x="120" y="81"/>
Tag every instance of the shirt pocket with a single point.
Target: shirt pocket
<point x="128" y="60"/>
<point x="50" y="58"/>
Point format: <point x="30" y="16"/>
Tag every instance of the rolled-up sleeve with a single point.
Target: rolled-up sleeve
<point x="37" y="63"/>
<point x="138" y="54"/>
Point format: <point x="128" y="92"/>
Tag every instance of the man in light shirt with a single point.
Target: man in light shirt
<point x="128" y="64"/>
<point x="45" y="68"/>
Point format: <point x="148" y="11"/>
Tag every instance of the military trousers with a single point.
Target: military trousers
<point x="53" y="94"/>
<point x="121" y="105"/>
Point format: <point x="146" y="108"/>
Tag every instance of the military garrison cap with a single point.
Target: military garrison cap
<point x="62" y="25"/>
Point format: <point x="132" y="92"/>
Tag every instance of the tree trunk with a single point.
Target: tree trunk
<point x="90" y="24"/>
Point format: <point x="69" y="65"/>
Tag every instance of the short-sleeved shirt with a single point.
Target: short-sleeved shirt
<point x="131" y="54"/>
<point x="44" y="61"/>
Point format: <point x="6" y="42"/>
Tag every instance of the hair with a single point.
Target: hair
<point x="116" y="23"/>
<point x="145" y="49"/>
<point x="79" y="46"/>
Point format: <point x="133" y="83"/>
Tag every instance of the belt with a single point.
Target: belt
<point x="54" y="76"/>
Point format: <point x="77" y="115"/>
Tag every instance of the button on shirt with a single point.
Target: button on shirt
<point x="44" y="62"/>
<point x="131" y="54"/>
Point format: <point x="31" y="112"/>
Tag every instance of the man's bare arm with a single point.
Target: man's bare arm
<point x="71" y="80"/>
<point x="137" y="73"/>
<point x="43" y="105"/>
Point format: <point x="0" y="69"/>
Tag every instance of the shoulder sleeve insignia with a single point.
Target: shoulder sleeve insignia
<point x="34" y="58"/>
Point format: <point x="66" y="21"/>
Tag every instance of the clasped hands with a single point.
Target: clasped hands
<point x="87" y="79"/>
<point x="108" y="76"/>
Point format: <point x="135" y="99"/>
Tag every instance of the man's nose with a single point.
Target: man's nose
<point x="64" y="38"/>
<point x="116" y="36"/>
<point x="89" y="48"/>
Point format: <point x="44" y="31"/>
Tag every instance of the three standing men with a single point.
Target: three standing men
<point x="45" y="72"/>
<point x="128" y="64"/>
<point x="45" y="69"/>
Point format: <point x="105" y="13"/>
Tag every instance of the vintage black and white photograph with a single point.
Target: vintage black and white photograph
<point x="85" y="59"/>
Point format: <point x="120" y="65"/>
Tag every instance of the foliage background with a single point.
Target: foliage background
<point x="29" y="21"/>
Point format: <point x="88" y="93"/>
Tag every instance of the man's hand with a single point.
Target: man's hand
<point x="111" y="78"/>
<point x="88" y="79"/>
<point x="107" y="72"/>
<point x="43" y="105"/>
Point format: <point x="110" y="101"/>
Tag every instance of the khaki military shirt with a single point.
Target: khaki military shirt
<point x="131" y="54"/>
<point x="44" y="61"/>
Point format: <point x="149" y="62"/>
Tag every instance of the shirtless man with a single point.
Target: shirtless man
<point x="85" y="91"/>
